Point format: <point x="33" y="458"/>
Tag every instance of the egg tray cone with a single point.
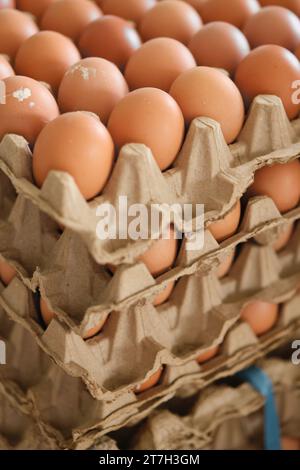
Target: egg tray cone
<point x="50" y="390"/>
<point x="225" y="417"/>
<point x="81" y="291"/>
<point x="207" y="171"/>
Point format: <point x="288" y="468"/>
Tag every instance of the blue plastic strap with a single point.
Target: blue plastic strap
<point x="262" y="383"/>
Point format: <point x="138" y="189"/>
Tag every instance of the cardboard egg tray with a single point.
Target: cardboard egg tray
<point x="225" y="417"/>
<point x="41" y="388"/>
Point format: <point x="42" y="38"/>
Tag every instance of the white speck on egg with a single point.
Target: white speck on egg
<point x="22" y="94"/>
<point x="86" y="72"/>
<point x="31" y="104"/>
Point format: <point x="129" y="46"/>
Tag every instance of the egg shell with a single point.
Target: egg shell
<point x="132" y="10"/>
<point x="110" y="37"/>
<point x="157" y="63"/>
<point x="48" y="316"/>
<point x="149" y="383"/>
<point x="269" y="70"/>
<point x="93" y="84"/>
<point x="208" y="92"/>
<point x="281" y="182"/>
<point x="293" y="5"/>
<point x="149" y="116"/>
<point x="235" y="12"/>
<point x="273" y="25"/>
<point x="261" y="316"/>
<point x="170" y="18"/>
<point x="219" y="45"/>
<point x="225" y="265"/>
<point x="29" y="107"/>
<point x="7" y="4"/>
<point x="46" y="57"/>
<point x="70" y="17"/>
<point x="226" y="227"/>
<point x="6" y="69"/>
<point x="163" y="296"/>
<point x="15" y="28"/>
<point x="208" y="355"/>
<point x="7" y="272"/>
<point x="77" y="143"/>
<point x="35" y="7"/>
<point x="162" y="254"/>
<point x="197" y="4"/>
<point x="283" y="238"/>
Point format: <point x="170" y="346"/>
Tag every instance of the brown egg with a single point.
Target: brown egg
<point x="273" y="25"/>
<point x="94" y="85"/>
<point x="269" y="179"/>
<point x="297" y="52"/>
<point x="208" y="92"/>
<point x="163" y="296"/>
<point x="70" y="17"/>
<point x="269" y="70"/>
<point x="79" y="144"/>
<point x="7" y="272"/>
<point x="6" y="69"/>
<point x="110" y="37"/>
<point x="220" y="45"/>
<point x="290" y="443"/>
<point x="293" y="5"/>
<point x="225" y="265"/>
<point x="157" y="63"/>
<point x="149" y="116"/>
<point x="48" y="316"/>
<point x="208" y="355"/>
<point x="35" y="7"/>
<point x="162" y="254"/>
<point x="261" y="316"/>
<point x="235" y="12"/>
<point x="197" y="4"/>
<point x="226" y="227"/>
<point x="149" y="383"/>
<point x="132" y="10"/>
<point x="29" y="106"/>
<point x="7" y="4"/>
<point x="170" y="18"/>
<point x="284" y="238"/>
<point x="15" y="28"/>
<point x="46" y="57"/>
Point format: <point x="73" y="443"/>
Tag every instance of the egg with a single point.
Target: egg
<point x="7" y="272"/>
<point x="197" y="4"/>
<point x="290" y="443"/>
<point x="79" y="144"/>
<point x="220" y="45"/>
<point x="208" y="355"/>
<point x="269" y="70"/>
<point x="6" y="69"/>
<point x="151" y="117"/>
<point x="235" y="12"/>
<point x="70" y="17"/>
<point x="149" y="383"/>
<point x="261" y="316"/>
<point x="7" y="4"/>
<point x="110" y="37"/>
<point x="269" y="179"/>
<point x="273" y="25"/>
<point x="29" y="107"/>
<point x="170" y="18"/>
<point x="15" y="28"/>
<point x="164" y="295"/>
<point x="92" y="84"/>
<point x="283" y="238"/>
<point x="162" y="254"/>
<point x="48" y="316"/>
<point x="208" y="92"/>
<point x="297" y="52"/>
<point x="228" y="225"/>
<point x="293" y="5"/>
<point x="225" y="265"/>
<point x="35" y="7"/>
<point x="46" y="57"/>
<point x="132" y="10"/>
<point x="157" y="63"/>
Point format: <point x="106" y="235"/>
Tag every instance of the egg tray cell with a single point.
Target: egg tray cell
<point x="207" y="171"/>
<point x="225" y="417"/>
<point x="43" y="389"/>
<point x="81" y="291"/>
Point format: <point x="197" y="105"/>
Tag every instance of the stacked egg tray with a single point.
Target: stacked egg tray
<point x="69" y="272"/>
<point x="225" y="417"/>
